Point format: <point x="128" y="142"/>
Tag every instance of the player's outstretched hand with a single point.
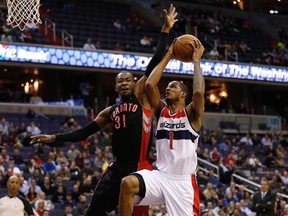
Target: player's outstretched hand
<point x="170" y="18"/>
<point x="198" y="51"/>
<point x="42" y="138"/>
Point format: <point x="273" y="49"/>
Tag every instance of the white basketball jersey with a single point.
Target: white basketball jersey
<point x="176" y="143"/>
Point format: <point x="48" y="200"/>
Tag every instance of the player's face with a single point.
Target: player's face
<point x="124" y="84"/>
<point x="13" y="186"/>
<point x="173" y="92"/>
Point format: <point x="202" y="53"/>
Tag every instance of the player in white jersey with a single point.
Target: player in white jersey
<point x="174" y="181"/>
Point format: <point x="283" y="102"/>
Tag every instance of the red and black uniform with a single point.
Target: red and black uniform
<point x="130" y="146"/>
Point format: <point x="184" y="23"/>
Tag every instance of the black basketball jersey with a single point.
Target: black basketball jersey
<point x="131" y="131"/>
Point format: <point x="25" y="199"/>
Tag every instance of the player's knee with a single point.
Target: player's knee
<point x="130" y="185"/>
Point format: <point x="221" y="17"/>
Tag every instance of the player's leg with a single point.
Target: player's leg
<point x="181" y="195"/>
<point x="130" y="186"/>
<point x="142" y="189"/>
<point x="106" y="193"/>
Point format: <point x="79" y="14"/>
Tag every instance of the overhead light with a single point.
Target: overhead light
<point x="273" y="11"/>
<point x="212" y="98"/>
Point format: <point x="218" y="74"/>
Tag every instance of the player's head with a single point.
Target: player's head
<point x="175" y="92"/>
<point x="124" y="84"/>
<point x="13" y="185"/>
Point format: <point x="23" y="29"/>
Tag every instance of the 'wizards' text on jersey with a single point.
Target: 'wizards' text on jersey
<point x="176" y="143"/>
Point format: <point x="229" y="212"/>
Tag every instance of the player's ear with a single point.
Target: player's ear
<point x="183" y="94"/>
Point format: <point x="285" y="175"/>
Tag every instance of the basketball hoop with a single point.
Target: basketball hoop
<point x="22" y="13"/>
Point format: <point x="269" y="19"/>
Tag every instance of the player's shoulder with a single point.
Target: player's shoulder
<point x="2" y="196"/>
<point x="23" y="199"/>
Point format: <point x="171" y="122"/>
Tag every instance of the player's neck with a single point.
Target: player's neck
<point x="11" y="195"/>
<point x="174" y="108"/>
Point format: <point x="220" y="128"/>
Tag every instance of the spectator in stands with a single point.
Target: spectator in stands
<point x="119" y="26"/>
<point x="75" y="192"/>
<point x="68" y="211"/>
<point x="72" y="153"/>
<point x="4" y="157"/>
<point x="214" y="54"/>
<point x="35" y="186"/>
<point x="24" y="186"/>
<point x="229" y="198"/>
<point x="6" y="38"/>
<point x="285" y="177"/>
<point x="209" y="191"/>
<point x="98" y="44"/>
<point x="49" y="166"/>
<point x="254" y="163"/>
<point x="205" y="155"/>
<point x="64" y="128"/>
<point x="256" y="140"/>
<point x="247" y="140"/>
<point x="59" y="195"/>
<point x="263" y="202"/>
<point x="225" y="172"/>
<point x="63" y="171"/>
<point x="215" y="155"/>
<point x="40" y="207"/>
<point x="219" y="206"/>
<point x="145" y="41"/>
<point x="48" y="205"/>
<point x="60" y="157"/>
<point x="118" y="47"/>
<point x="4" y="127"/>
<point x="69" y="200"/>
<point x="214" y="180"/>
<point x="82" y="205"/>
<point x="32" y="195"/>
<point x="89" y="45"/>
<point x="202" y="179"/>
<point x="266" y="140"/>
<point x="244" y="47"/>
<point x="46" y="187"/>
<point x="106" y="140"/>
<point x="33" y="128"/>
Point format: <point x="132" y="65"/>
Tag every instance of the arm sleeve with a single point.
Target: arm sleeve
<point x="160" y="52"/>
<point x="27" y="207"/>
<point x="80" y="134"/>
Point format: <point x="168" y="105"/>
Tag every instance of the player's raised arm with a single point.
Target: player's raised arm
<point x="170" y="19"/>
<point x="151" y="86"/>
<point x="196" y="108"/>
<point x="94" y="126"/>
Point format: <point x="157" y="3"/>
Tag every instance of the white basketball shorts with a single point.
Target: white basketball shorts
<point x="179" y="192"/>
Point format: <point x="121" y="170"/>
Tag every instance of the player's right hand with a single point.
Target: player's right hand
<point x="42" y="138"/>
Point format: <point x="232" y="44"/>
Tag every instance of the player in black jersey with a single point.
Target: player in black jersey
<point x="131" y="120"/>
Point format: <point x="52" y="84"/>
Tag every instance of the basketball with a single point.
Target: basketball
<point x="182" y="48"/>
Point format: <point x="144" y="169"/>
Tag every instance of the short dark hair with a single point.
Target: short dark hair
<point x="183" y="86"/>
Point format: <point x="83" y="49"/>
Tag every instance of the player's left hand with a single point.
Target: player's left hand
<point x="198" y="51"/>
<point x="170" y="17"/>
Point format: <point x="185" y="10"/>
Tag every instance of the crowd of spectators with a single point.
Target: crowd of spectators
<point x="63" y="175"/>
<point x="224" y="37"/>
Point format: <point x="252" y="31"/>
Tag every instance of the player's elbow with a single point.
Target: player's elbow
<point x="198" y="94"/>
<point x="149" y="87"/>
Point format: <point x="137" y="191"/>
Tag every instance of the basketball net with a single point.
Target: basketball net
<point x="22" y="13"/>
